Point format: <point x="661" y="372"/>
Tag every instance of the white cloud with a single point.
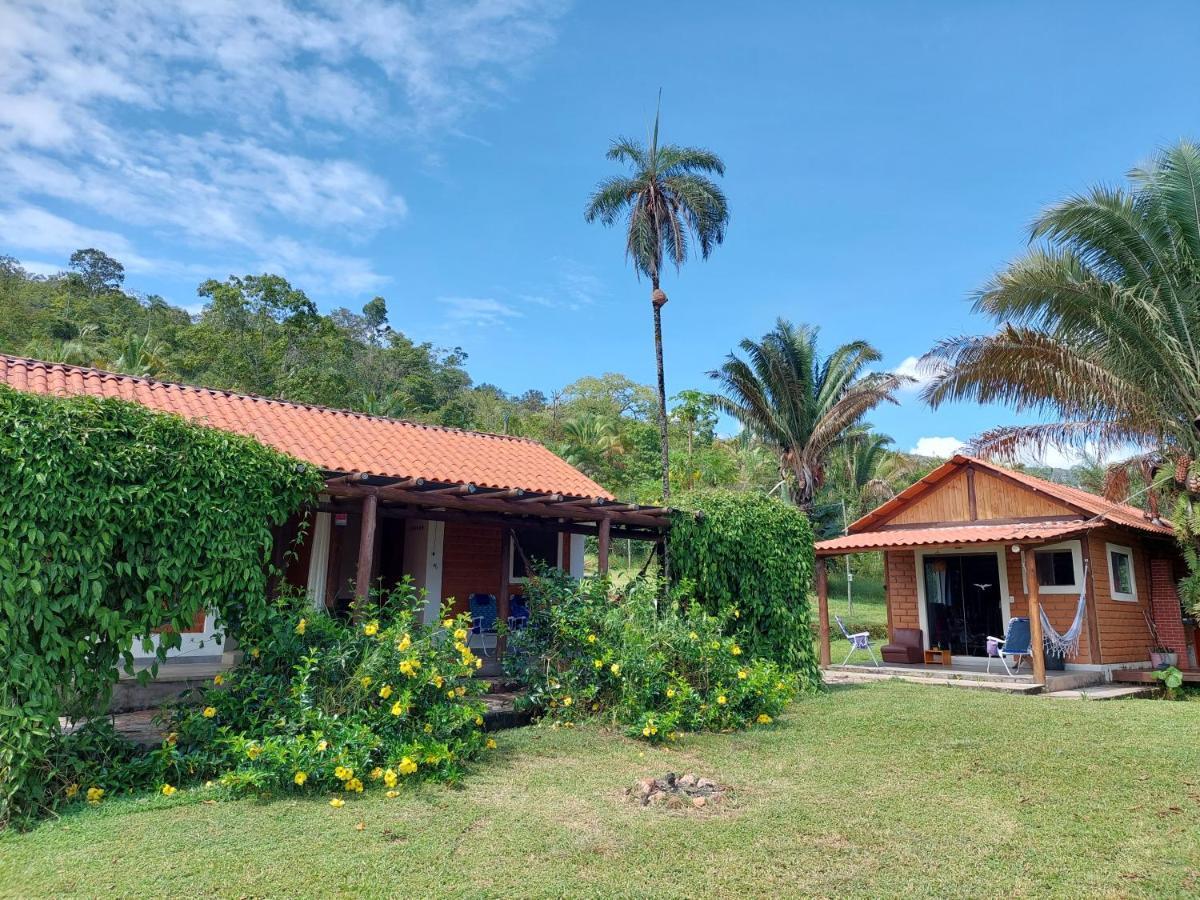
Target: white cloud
<point x="479" y="312"/>
<point x="41" y="231"/>
<point x="224" y="125"/>
<point x="911" y="367"/>
<point x="938" y="447"/>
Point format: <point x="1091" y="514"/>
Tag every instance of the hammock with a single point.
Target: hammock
<point x="1067" y="643"/>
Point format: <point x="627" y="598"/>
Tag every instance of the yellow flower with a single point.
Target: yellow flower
<point x="670" y="693"/>
<point x="168" y="790"/>
<point x="209" y="712"/>
<point x="95" y="794"/>
<point x="646" y="731"/>
<point x="322" y="745"/>
<point x="615" y="668"/>
<point x="478" y="663"/>
<point x="371" y="629"/>
<point x="428" y="728"/>
<point x="479" y="721"/>
<point x="72" y="790"/>
<point x="254" y="652"/>
<point x="407" y="766"/>
<point x="460" y="647"/>
<point x="694" y="636"/>
<point x="392" y="795"/>
<point x="218" y="680"/>
<point x="341" y="773"/>
<point x="353" y="784"/>
<point x="721" y="701"/>
<point x="389" y="777"/>
<point x="300" y="778"/>
<point x="301" y="625"/>
<point x="385" y="691"/>
<point x="764" y="719"/>
<point x="438" y="681"/>
<point x="337" y="802"/>
<point x="460" y="690"/>
<point x="736" y="613"/>
<point x="447" y="623"/>
<point x="460" y="634"/>
<point x="672" y="735"/>
<point x="376" y="773"/>
<point x="450" y="694"/>
<point x="567" y="701"/>
<point x="397" y="708"/>
<point x="735" y="650"/>
<point x="716" y="645"/>
<point x="591" y="639"/>
<point x="365" y="681"/>
<point x="598" y="663"/>
<point x="254" y="751"/>
<point x="743" y="674"/>
<point x="491" y="743"/>
<point x="404" y="643"/>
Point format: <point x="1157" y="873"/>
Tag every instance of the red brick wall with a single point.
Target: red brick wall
<point x="1164" y="604"/>
<point x="471" y="562"/>
<point x="900" y="581"/>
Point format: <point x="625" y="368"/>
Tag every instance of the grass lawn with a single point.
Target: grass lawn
<point x="873" y="790"/>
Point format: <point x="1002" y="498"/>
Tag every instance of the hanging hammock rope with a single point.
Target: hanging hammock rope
<point x="1067" y="643"/>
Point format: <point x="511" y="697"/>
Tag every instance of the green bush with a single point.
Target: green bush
<point x="749" y="558"/>
<point x="657" y="669"/>
<point x="115" y="521"/>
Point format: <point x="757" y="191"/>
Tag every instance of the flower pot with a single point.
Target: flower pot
<point x="1163" y="659"/>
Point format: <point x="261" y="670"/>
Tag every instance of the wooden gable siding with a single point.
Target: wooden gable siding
<point x="974" y="495"/>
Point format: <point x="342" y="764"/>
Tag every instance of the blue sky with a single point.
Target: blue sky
<point x="883" y="160"/>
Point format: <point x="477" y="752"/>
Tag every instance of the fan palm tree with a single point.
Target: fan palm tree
<point x="592" y="443"/>
<point x="1099" y="331"/>
<point x="668" y="203"/>
<point x="799" y="404"/>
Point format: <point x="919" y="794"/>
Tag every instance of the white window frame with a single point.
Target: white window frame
<point x="512" y="557"/>
<point x="1121" y="596"/>
<point x="1076" y="548"/>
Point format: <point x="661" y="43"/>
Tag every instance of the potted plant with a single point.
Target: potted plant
<point x="1161" y="656"/>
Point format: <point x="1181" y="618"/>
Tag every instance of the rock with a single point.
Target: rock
<point x="699" y="802"/>
<point x="706" y="784"/>
<point x="646" y="786"/>
<point x="687" y="781"/>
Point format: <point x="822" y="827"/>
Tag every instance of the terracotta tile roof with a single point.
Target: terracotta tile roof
<point x="951" y="535"/>
<point x="334" y="440"/>
<point x="1085" y="503"/>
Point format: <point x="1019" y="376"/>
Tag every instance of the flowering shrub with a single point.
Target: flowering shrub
<point x="590" y="651"/>
<point x="319" y="704"/>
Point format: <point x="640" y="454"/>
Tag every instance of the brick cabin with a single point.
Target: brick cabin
<point x="962" y="545"/>
<point x="460" y="512"/>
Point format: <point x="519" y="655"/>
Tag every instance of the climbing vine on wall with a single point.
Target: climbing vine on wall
<point x="752" y="554"/>
<point x="116" y="521"/>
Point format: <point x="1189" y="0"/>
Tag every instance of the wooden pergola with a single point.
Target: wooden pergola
<point x="417" y="498"/>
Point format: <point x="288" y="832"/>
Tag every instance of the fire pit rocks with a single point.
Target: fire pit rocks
<point x="676" y="791"/>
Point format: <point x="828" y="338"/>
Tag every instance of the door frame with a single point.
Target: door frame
<point x="996" y="550"/>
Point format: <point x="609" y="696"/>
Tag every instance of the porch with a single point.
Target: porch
<point x="963" y="672"/>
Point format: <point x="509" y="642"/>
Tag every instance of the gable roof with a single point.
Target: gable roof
<point x="334" y="440"/>
<point x="1082" y="502"/>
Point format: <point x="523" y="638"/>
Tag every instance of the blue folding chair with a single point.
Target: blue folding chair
<point x="858" y="641"/>
<point x="1017" y="644"/>
<point x="483" y="622"/>
<point x="518" y="612"/>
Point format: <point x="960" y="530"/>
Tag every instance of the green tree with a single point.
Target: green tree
<point x="97" y="271"/>
<point x="1099" y="330"/>
<point x="668" y="202"/>
<point x="799" y="404"/>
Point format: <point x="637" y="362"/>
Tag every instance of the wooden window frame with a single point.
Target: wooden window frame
<point x="1121" y="596"/>
<point x="1076" y="548"/>
<point x="512" y="557"/>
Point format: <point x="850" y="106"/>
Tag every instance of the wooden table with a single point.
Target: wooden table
<point x="937" y="656"/>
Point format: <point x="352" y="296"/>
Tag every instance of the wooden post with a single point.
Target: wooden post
<point x="1089" y="585"/>
<point x="508" y="546"/>
<point x="1037" y="649"/>
<point x="823" y="611"/>
<point x="366" y="554"/>
<point x="602" y="553"/>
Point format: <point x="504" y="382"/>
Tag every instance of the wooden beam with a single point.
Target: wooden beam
<point x="406" y="483"/>
<point x="1037" y="649"/>
<point x="366" y="553"/>
<point x="509" y="494"/>
<point x="348" y="478"/>
<point x="544" y="498"/>
<point x="603" y="538"/>
<point x="452" y="491"/>
<point x="972" y="502"/>
<point x="823" y="611"/>
<point x="1089" y="586"/>
<point x="562" y="526"/>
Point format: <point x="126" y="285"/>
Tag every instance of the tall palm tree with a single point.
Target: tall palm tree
<point x="667" y="203"/>
<point x="1099" y="330"/>
<point x="802" y="405"/>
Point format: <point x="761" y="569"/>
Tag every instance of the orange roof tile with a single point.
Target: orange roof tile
<point x="334" y="440"/>
<point x="952" y="535"/>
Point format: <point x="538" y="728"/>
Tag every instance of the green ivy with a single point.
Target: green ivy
<point x="116" y="521"/>
<point x="750" y="560"/>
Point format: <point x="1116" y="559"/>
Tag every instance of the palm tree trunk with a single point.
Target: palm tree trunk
<point x="662" y="392"/>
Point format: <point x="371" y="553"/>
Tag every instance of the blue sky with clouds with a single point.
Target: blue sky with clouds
<point x="883" y="159"/>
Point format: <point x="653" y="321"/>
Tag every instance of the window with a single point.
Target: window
<point x="1121" y="581"/>
<point x="1059" y="568"/>
<point x="539" y="546"/>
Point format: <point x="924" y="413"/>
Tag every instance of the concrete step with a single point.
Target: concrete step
<point x="962" y="681"/>
<point x="947" y="673"/>
<point x="1105" y="692"/>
